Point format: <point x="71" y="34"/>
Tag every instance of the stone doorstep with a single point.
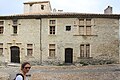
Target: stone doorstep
<point x="14" y="64"/>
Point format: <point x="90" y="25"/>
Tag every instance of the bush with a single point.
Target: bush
<point x="85" y="62"/>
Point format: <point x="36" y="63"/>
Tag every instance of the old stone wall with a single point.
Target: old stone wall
<point x="103" y="41"/>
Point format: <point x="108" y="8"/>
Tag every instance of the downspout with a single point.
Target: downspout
<point x="40" y="41"/>
<point x="119" y="39"/>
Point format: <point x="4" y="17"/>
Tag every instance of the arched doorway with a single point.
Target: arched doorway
<point x="15" y="54"/>
<point x="68" y="55"/>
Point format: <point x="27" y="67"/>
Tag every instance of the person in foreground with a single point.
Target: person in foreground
<point x="25" y="67"/>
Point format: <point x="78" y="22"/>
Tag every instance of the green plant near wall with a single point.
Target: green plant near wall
<point x="86" y="62"/>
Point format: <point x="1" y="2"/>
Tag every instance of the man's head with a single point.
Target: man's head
<point x="25" y="67"/>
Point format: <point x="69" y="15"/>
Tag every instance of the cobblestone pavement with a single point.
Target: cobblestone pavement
<point x="97" y="72"/>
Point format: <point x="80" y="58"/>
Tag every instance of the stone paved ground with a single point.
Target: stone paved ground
<point x="105" y="72"/>
<point x="4" y="76"/>
<point x="98" y="72"/>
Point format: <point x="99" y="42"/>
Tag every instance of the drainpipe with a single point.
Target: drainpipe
<point x="40" y="41"/>
<point x="119" y="41"/>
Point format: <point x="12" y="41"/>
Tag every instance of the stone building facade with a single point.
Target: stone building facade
<point x="45" y="37"/>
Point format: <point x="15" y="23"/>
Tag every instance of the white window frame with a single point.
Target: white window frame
<point x="52" y="25"/>
<point x="3" y="26"/>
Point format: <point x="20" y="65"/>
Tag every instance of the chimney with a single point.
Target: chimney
<point x="60" y="10"/>
<point x="54" y="10"/>
<point x="108" y="10"/>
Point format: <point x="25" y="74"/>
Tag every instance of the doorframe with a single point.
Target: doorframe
<point x="18" y="55"/>
<point x="70" y="60"/>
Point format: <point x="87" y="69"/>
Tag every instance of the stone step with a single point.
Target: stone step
<point x="14" y="64"/>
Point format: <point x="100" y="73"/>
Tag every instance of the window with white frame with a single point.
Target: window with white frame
<point x="88" y="30"/>
<point x="84" y="50"/>
<point x="1" y="49"/>
<point x="84" y="26"/>
<point x="1" y="27"/>
<point x="14" y="26"/>
<point x="52" y="22"/>
<point x="52" y="25"/>
<point x="29" y="49"/>
<point x="81" y="22"/>
<point x="81" y="30"/>
<point x="52" y="29"/>
<point x="88" y="21"/>
<point x="51" y="50"/>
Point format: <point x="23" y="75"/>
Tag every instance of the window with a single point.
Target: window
<point x="84" y="26"/>
<point x="1" y="49"/>
<point x="88" y="30"/>
<point x="81" y="30"/>
<point x="81" y="21"/>
<point x="88" y="21"/>
<point x="84" y="51"/>
<point x="30" y="7"/>
<point x="15" y="29"/>
<point x="51" y="50"/>
<point x="68" y="28"/>
<point x="52" y="22"/>
<point x="1" y="27"/>
<point x="87" y="50"/>
<point x="14" y="21"/>
<point x="15" y="26"/>
<point x="52" y="29"/>
<point x="29" y="45"/>
<point x="42" y="7"/>
<point x="29" y="49"/>
<point x="1" y="22"/>
<point x="29" y="52"/>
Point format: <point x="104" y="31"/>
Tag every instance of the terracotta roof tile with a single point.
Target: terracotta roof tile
<point x="37" y="2"/>
<point x="61" y="15"/>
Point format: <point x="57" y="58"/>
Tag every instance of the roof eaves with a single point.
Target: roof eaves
<point x="36" y="2"/>
<point x="60" y="15"/>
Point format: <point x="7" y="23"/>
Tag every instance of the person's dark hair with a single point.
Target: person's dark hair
<point x="23" y="65"/>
